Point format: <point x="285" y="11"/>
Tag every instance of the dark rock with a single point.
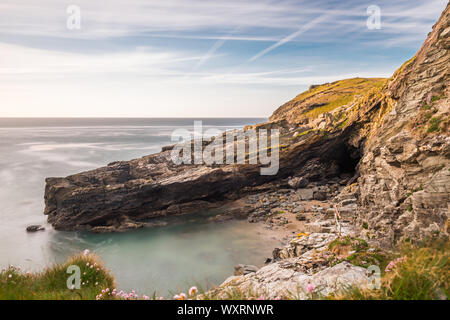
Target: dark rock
<point x="320" y="195"/>
<point x="167" y="148"/>
<point x="276" y="254"/>
<point x="298" y="182"/>
<point x="243" y="269"/>
<point x="35" y="228"/>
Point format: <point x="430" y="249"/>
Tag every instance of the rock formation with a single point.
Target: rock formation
<point x="405" y="172"/>
<point x="387" y="139"/>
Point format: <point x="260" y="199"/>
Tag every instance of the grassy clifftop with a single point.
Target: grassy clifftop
<point x="325" y="98"/>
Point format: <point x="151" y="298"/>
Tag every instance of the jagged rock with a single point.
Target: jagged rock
<point x="35" y="228"/>
<point x="320" y="195"/>
<point x="346" y="202"/>
<point x="299" y="246"/>
<point x="243" y="269"/>
<point x="305" y="194"/>
<point x="298" y="182"/>
<point x="276" y="254"/>
<point x="404" y="172"/>
<point x="282" y="280"/>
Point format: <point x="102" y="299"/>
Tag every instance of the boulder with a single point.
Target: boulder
<point x="34" y="228"/>
<point x="282" y="280"/>
<point x="243" y="269"/>
<point x="305" y="194"/>
<point x="298" y="182"/>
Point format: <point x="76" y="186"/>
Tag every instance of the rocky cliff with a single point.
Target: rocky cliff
<point x="390" y="137"/>
<point x="405" y="172"/>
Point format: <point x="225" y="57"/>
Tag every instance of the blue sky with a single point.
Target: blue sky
<point x="186" y="58"/>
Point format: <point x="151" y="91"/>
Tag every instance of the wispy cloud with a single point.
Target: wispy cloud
<point x="292" y="36"/>
<point x="207" y="19"/>
<point x="172" y="55"/>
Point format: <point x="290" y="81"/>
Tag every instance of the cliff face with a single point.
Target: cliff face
<point x="405" y="172"/>
<point x="390" y="135"/>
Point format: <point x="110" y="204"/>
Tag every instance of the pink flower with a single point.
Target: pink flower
<point x="394" y="263"/>
<point x="430" y="95"/>
<point x="310" y="288"/>
<point x="145" y="297"/>
<point x="176" y="297"/>
<point x="193" y="291"/>
<point x="85" y="252"/>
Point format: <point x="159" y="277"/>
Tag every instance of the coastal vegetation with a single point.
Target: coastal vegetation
<point x="415" y="272"/>
<point x="410" y="272"/>
<point x="327" y="97"/>
<point x="51" y="283"/>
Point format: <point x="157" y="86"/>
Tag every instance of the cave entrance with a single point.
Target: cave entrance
<point x="345" y="157"/>
<point x="348" y="159"/>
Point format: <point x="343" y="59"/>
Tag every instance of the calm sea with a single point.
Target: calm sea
<point x="165" y="259"/>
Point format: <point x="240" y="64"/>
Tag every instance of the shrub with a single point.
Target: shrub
<point x="421" y="272"/>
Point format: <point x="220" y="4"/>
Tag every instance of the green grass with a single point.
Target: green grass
<point x="51" y="284"/>
<point x="424" y="274"/>
<point x="356" y="251"/>
<point x="434" y="125"/>
<point x="330" y="106"/>
<point x="329" y="96"/>
<point x="301" y="134"/>
<point x="338" y="93"/>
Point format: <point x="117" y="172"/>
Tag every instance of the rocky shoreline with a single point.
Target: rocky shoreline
<point x="373" y="170"/>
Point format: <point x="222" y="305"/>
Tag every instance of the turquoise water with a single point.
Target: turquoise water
<point x="164" y="259"/>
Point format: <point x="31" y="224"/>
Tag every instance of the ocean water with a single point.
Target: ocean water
<point x="165" y="259"/>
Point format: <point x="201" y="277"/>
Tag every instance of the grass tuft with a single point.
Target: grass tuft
<point x="51" y="284"/>
<point x="421" y="272"/>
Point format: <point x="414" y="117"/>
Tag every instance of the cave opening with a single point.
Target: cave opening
<point x="345" y="157"/>
<point x="348" y="159"/>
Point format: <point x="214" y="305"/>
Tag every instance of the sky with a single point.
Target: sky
<point x="194" y="58"/>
